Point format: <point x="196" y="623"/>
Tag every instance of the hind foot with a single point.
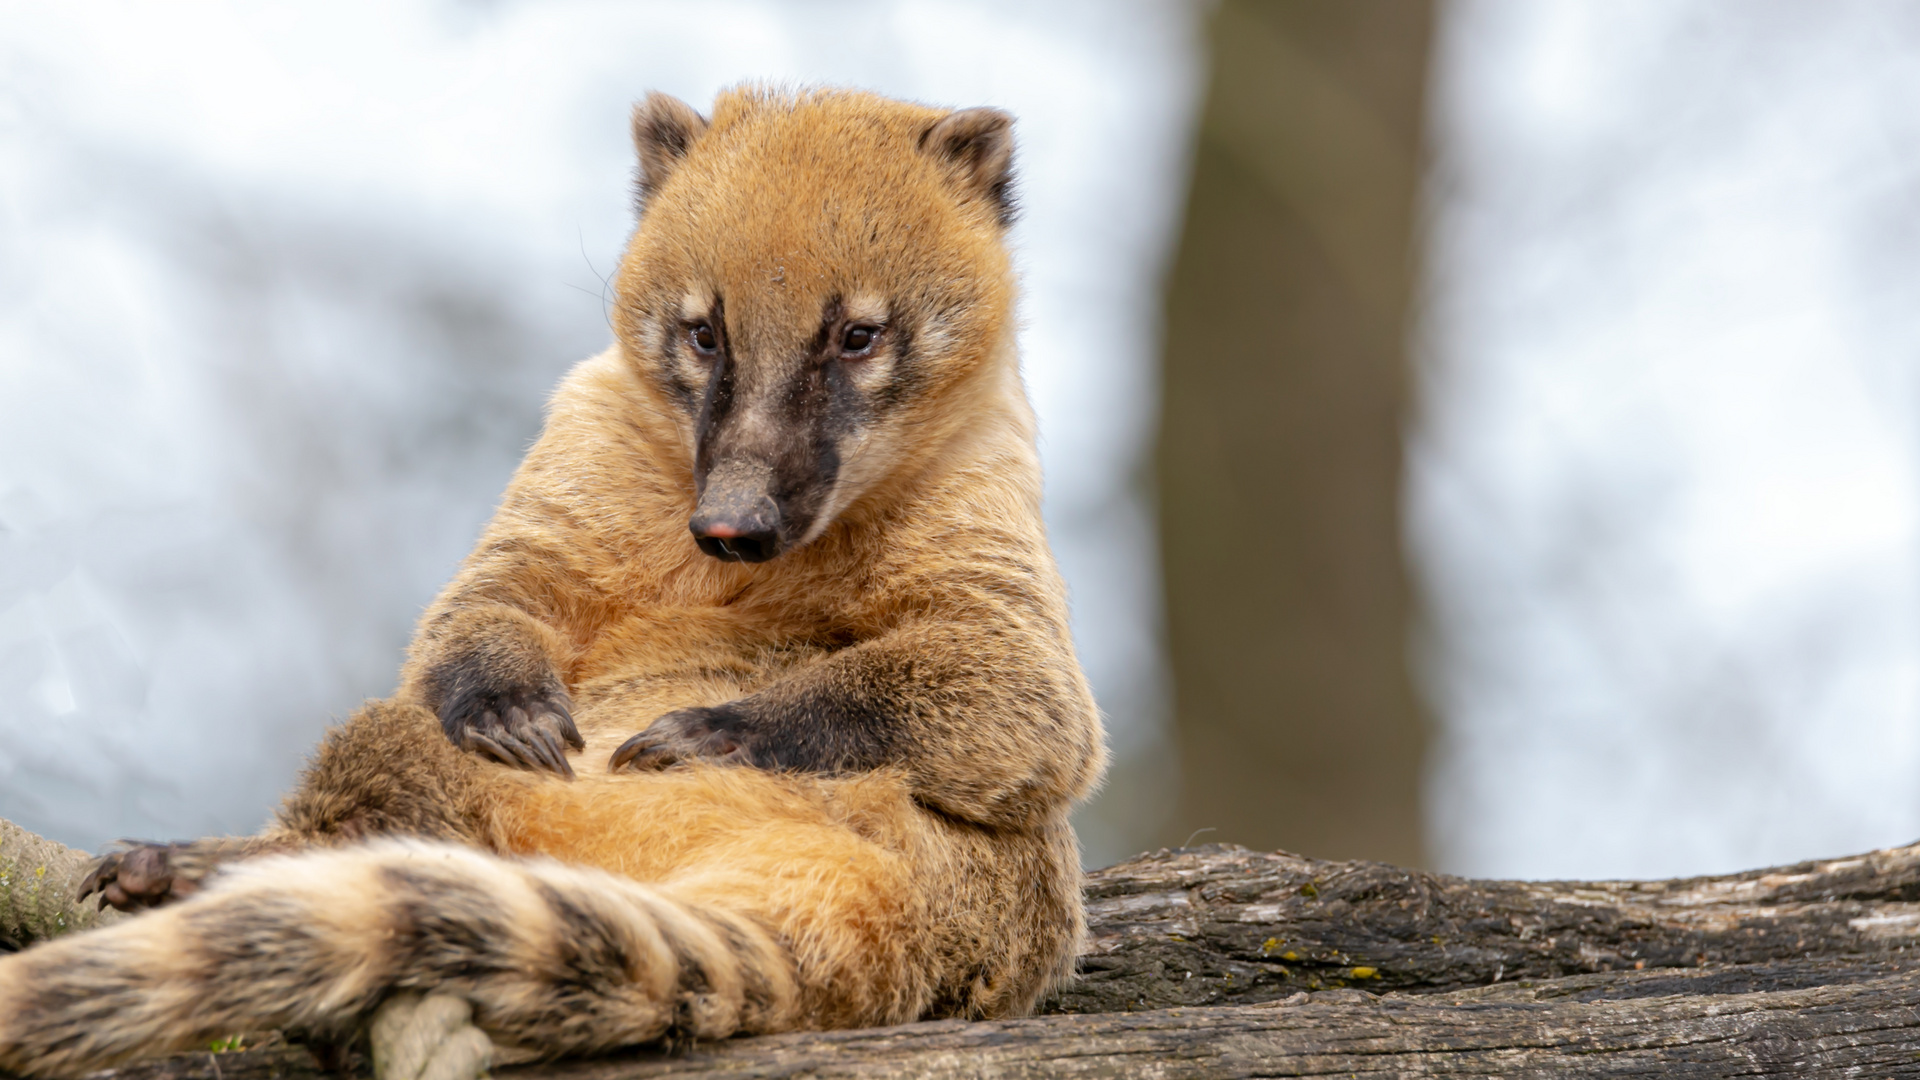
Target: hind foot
<point x="428" y="1037"/>
<point x="142" y="876"/>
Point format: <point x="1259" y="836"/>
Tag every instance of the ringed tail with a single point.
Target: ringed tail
<point x="555" y="958"/>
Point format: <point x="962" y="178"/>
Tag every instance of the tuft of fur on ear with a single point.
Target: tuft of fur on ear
<point x="977" y="144"/>
<point x="664" y="128"/>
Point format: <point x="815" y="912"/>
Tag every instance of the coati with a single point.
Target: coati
<point x="754" y="709"/>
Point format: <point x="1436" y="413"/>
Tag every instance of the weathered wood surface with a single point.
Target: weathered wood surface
<point x="38" y="881"/>
<point x="1869" y="1027"/>
<point x="1795" y="970"/>
<point x="1223" y="925"/>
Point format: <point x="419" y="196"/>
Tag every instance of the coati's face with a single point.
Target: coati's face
<point x="815" y="284"/>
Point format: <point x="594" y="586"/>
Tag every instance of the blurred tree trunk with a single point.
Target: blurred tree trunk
<point x="1279" y="464"/>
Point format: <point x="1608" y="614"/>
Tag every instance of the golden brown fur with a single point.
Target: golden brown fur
<point x="853" y="807"/>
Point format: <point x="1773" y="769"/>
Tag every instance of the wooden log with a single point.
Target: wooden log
<point x="1868" y="1026"/>
<point x="1803" y="969"/>
<point x="1864" y="1028"/>
<point x="38" y="882"/>
<point x="1224" y="925"/>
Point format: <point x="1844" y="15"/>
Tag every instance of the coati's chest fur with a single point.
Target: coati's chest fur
<point x="764" y="653"/>
<point x="795" y="512"/>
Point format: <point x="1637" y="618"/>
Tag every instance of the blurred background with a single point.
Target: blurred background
<point x="1481" y="434"/>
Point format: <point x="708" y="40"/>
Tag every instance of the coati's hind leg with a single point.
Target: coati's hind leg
<point x="553" y="958"/>
<point x="844" y="871"/>
<point x="387" y="771"/>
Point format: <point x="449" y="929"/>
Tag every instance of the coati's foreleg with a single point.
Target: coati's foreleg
<point x="490" y="672"/>
<point x="553" y="958"/>
<point x="991" y="722"/>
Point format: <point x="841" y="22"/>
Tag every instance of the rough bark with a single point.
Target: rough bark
<point x="1865" y="1027"/>
<point x="38" y="880"/>
<point x="1802" y="969"/>
<point x="1222" y="925"/>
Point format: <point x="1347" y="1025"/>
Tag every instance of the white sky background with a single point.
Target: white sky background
<point x="1665" y="491"/>
<point x="282" y="290"/>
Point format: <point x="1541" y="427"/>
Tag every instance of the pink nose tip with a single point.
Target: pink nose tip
<point x="721" y="532"/>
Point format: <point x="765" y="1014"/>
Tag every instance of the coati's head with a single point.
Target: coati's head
<point x="817" y="284"/>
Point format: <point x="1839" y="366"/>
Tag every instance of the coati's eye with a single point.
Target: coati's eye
<point x="858" y="339"/>
<point x="703" y="338"/>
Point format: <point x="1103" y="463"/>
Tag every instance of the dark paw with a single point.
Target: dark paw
<point x="706" y="733"/>
<point x="138" y="877"/>
<point x="527" y="729"/>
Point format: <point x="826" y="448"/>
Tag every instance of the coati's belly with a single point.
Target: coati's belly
<point x="658" y="825"/>
<point x="682" y="662"/>
<point x="662" y="827"/>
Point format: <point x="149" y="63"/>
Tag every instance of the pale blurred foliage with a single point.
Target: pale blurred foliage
<point x="282" y="290"/>
<point x="1665" y="490"/>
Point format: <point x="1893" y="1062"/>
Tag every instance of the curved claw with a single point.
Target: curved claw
<point x="550" y="746"/>
<point x="518" y="729"/>
<point x="486" y="745"/>
<point x="642" y="753"/>
<point x="544" y="746"/>
<point x="95" y="880"/>
<point x="703" y="734"/>
<point x="531" y="749"/>
<point x="568" y="731"/>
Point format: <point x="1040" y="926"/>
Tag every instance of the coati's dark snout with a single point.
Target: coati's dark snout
<point x="749" y="540"/>
<point x="737" y="519"/>
<point x="766" y="449"/>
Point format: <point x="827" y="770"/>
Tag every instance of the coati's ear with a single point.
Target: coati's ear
<point x="977" y="145"/>
<point x="664" y="127"/>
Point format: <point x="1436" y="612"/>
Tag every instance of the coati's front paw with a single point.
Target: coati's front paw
<point x="705" y="732"/>
<point x="141" y="876"/>
<point x="527" y="729"/>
